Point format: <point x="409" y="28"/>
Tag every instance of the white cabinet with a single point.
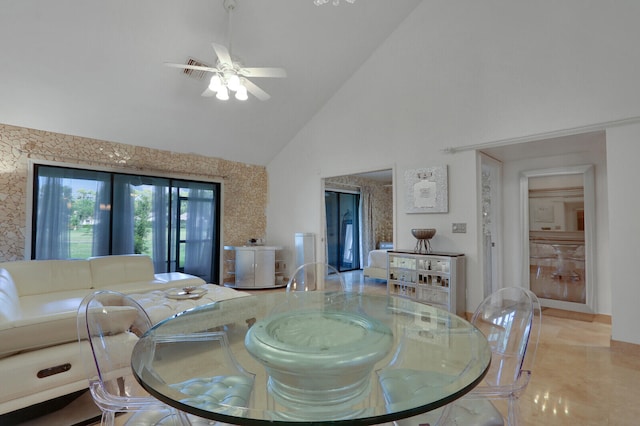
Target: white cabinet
<point x="436" y="279"/>
<point x="254" y="267"/>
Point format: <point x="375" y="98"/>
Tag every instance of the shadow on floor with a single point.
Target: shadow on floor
<point x="76" y="409"/>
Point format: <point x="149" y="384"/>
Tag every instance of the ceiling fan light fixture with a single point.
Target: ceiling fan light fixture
<point x="233" y="82"/>
<point x="223" y="94"/>
<point x="241" y="93"/>
<point x="230" y="74"/>
<point x="215" y="83"/>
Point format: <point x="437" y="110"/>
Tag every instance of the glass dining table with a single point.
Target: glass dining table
<point x="311" y="358"/>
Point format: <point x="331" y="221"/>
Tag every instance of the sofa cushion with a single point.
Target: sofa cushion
<point x="109" y="270"/>
<point x="44" y="320"/>
<point x="49" y="305"/>
<point x="48" y="321"/>
<point x="138" y="287"/>
<point x="24" y="335"/>
<point x="47" y="276"/>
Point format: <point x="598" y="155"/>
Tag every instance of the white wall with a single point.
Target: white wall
<point x="623" y="154"/>
<point x="456" y="74"/>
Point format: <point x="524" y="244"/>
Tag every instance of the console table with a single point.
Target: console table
<point x="255" y="267"/>
<point x="436" y="278"/>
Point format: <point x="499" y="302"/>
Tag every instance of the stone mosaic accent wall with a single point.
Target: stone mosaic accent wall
<point x="244" y="185"/>
<point x="384" y="213"/>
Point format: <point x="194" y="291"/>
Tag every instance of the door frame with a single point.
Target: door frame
<point x="588" y="174"/>
<point x="492" y="261"/>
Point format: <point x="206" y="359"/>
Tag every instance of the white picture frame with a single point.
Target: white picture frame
<point x="426" y="190"/>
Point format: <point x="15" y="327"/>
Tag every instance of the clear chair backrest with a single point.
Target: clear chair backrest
<point x="111" y="323"/>
<point x="217" y="383"/>
<point x="534" y="333"/>
<point x="316" y="276"/>
<point x="507" y="318"/>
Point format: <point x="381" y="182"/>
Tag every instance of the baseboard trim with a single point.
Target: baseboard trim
<point x="625" y="347"/>
<point x="579" y="316"/>
<point x="560" y="313"/>
<point x="603" y="319"/>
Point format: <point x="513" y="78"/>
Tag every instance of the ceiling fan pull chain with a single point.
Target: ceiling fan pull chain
<point x="229" y="6"/>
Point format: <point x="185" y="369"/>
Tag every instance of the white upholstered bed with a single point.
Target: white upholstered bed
<point x="377" y="262"/>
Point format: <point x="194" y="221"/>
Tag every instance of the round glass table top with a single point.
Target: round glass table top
<point x="311" y="357"/>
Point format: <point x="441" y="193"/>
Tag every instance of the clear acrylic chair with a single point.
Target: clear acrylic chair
<point x="510" y="318"/>
<point x="316" y="276"/>
<point x="202" y="369"/>
<point x="109" y="325"/>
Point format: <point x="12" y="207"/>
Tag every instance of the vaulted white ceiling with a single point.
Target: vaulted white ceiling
<point x="94" y="68"/>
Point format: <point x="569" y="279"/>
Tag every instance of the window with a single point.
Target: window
<point x="81" y="213"/>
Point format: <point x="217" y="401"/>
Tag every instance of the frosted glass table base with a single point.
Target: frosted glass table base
<point x="319" y="360"/>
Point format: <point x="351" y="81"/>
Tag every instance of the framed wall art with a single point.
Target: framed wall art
<point x="426" y="190"/>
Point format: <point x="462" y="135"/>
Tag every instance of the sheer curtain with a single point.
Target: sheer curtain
<point x="199" y="233"/>
<point x="123" y="219"/>
<point x="367" y="233"/>
<point x="52" y="233"/>
<point x="102" y="219"/>
<point x="160" y="226"/>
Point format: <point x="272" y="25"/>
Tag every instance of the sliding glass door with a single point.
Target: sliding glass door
<point x="343" y="224"/>
<point x="196" y="227"/>
<point x="82" y="213"/>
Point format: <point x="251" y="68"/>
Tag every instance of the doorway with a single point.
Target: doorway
<point x="374" y="213"/>
<point x="343" y="224"/>
<point x="555" y="269"/>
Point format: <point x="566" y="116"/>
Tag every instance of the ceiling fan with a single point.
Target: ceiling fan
<point x="229" y="74"/>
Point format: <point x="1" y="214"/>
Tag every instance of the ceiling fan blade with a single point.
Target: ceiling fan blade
<point x="222" y="53"/>
<point x="255" y="90"/>
<point x="191" y="67"/>
<point x="263" y="72"/>
<point x="208" y="93"/>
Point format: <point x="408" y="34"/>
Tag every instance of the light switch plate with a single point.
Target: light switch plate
<point x="459" y="228"/>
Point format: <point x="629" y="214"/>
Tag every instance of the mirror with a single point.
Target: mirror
<point x="558" y="235"/>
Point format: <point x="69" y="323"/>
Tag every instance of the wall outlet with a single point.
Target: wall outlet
<point x="459" y="228"/>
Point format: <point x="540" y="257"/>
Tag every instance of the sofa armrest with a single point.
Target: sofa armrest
<point x="9" y="300"/>
<point x="179" y="279"/>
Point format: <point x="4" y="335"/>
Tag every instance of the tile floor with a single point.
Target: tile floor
<point x="578" y="377"/>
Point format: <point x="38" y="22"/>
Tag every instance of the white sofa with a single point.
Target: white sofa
<point x="39" y="352"/>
